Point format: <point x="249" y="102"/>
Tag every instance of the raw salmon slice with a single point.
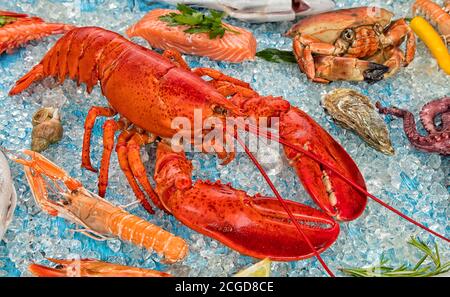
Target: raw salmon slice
<point x="231" y="47"/>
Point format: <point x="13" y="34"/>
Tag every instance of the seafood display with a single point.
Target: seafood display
<point x="440" y="16"/>
<point x="264" y="11"/>
<point x="178" y="91"/>
<point x="91" y="268"/>
<point x="235" y="45"/>
<point x="207" y="163"/>
<point x="355" y="112"/>
<point x="47" y="128"/>
<point x="99" y="217"/>
<point x="8" y="196"/>
<point x="17" y="29"/>
<point x="438" y="138"/>
<point x="356" y="44"/>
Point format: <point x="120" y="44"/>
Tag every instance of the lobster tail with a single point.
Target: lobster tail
<point x="36" y="74"/>
<point x="86" y="55"/>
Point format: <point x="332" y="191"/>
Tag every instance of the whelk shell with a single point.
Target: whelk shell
<point x="355" y="112"/>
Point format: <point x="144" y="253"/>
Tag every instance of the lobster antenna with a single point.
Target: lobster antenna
<point x="299" y="149"/>
<point x="284" y="205"/>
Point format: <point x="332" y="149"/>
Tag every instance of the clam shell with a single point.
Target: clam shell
<point x="354" y="111"/>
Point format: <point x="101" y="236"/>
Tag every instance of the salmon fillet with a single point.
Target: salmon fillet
<point x="231" y="47"/>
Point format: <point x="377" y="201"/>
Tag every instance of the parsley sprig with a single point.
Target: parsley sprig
<point x="435" y="267"/>
<point x="277" y="56"/>
<point x="6" y="20"/>
<point x="197" y="21"/>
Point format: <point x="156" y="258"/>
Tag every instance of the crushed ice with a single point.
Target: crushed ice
<point x="415" y="182"/>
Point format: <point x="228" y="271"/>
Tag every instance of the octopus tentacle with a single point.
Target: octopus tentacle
<point x="438" y="142"/>
<point x="433" y="109"/>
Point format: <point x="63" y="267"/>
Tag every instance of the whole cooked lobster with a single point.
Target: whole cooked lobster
<point x="149" y="91"/>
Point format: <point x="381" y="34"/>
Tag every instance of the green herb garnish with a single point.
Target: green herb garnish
<point x="435" y="267"/>
<point x="197" y="21"/>
<point x="6" y="20"/>
<point x="277" y="56"/>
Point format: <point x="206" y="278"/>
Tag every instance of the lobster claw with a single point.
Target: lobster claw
<point x="336" y="197"/>
<point x="252" y="225"/>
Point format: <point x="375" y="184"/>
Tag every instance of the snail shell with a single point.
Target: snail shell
<point x="47" y="128"/>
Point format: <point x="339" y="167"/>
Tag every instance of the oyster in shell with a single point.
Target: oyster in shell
<point x="355" y="112"/>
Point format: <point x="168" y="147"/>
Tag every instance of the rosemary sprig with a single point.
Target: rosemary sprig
<point x="419" y="270"/>
<point x="6" y="20"/>
<point x="277" y="56"/>
<point x="197" y="21"/>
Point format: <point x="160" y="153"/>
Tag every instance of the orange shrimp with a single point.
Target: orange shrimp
<point x="99" y="218"/>
<point x="438" y="16"/>
<point x="91" y="268"/>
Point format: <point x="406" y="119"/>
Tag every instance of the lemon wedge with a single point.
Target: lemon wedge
<point x="260" y="269"/>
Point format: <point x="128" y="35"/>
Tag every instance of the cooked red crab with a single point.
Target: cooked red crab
<point x="353" y="44"/>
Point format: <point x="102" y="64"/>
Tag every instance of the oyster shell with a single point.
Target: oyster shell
<point x="354" y="111"/>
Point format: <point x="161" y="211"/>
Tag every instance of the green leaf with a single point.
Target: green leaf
<point x="187" y="20"/>
<point x="194" y="30"/>
<point x="185" y="9"/>
<point x="198" y="22"/>
<point x="404" y="271"/>
<point x="277" y="56"/>
<point x="218" y="15"/>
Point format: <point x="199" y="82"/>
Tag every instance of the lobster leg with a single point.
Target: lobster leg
<point x="253" y="225"/>
<point x="122" y="155"/>
<point x="109" y="129"/>
<point x="176" y="58"/>
<point x="227" y="89"/>
<point x="93" y="113"/>
<point x="137" y="167"/>
<point x="217" y="75"/>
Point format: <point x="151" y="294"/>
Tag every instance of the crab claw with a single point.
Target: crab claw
<point x="252" y="225"/>
<point x="330" y="192"/>
<point x="91" y="268"/>
<point x="351" y="69"/>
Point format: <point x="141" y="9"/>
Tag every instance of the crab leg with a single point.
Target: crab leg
<point x="347" y="68"/>
<point x="394" y="37"/>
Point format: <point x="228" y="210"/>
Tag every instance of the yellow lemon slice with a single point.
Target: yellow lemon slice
<point x="260" y="269"/>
